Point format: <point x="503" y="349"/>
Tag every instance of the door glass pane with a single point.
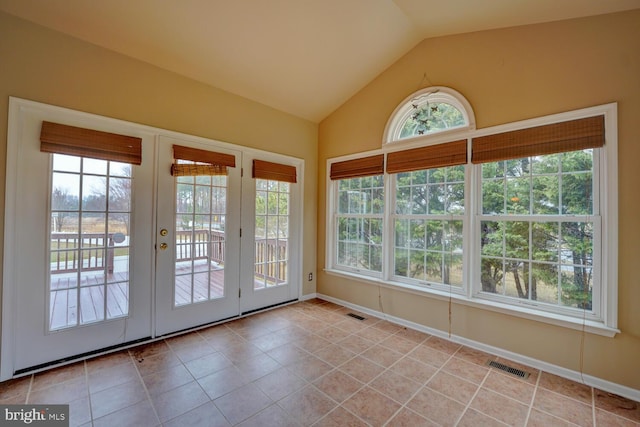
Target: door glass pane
<point x="271" y="233"/>
<point x="199" y="238"/>
<point x="88" y="241"/>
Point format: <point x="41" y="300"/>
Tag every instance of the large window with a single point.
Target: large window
<point x="428" y="226"/>
<point x="525" y="223"/>
<point x="538" y="229"/>
<point x="428" y="213"/>
<point x="358" y="217"/>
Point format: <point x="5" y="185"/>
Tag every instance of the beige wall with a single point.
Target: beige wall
<point x="46" y="66"/>
<point x="509" y="75"/>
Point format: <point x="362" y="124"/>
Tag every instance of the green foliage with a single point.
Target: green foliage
<point x="432" y="248"/>
<point x="360" y="208"/>
<point x="431" y="192"/>
<point x="549" y="186"/>
<point x="272" y="209"/>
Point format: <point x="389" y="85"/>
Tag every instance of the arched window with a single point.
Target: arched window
<point x="431" y="110"/>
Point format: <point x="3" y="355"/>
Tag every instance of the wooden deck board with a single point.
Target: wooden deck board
<point x="118" y="300"/>
<point x="182" y="290"/>
<point x="61" y="309"/>
<point x="63" y="297"/>
<point x="90" y="305"/>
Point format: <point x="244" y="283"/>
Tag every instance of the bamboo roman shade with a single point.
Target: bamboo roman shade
<point x="572" y="135"/>
<point x="434" y="156"/>
<point x="74" y="141"/>
<point x="274" y="171"/>
<point x="217" y="162"/>
<point x="357" y="168"/>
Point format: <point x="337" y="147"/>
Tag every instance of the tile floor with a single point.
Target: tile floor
<point x="309" y="364"/>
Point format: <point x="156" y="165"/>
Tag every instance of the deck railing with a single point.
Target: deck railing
<point x="270" y="254"/>
<point x="200" y="244"/>
<point x="270" y="258"/>
<point x="69" y="251"/>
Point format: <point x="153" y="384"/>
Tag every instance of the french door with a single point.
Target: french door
<point x="101" y="252"/>
<point x="197" y="237"/>
<point x="227" y="241"/>
<point x="271" y="234"/>
<point x="76" y="272"/>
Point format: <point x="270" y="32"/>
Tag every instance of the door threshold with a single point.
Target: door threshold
<point x="77" y="358"/>
<point x="269" y="307"/>
<point x="197" y="327"/>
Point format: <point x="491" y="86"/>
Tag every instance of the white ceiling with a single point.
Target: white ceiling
<point x="305" y="57"/>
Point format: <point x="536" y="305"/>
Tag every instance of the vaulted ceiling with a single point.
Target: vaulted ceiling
<point x="304" y="57"/>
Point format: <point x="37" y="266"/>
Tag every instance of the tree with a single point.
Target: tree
<point x="360" y="207"/>
<point x="561" y="250"/>
<point x="62" y="205"/>
<point x="429" y="248"/>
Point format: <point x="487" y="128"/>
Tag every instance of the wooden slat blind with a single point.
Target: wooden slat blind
<point x="178" y="169"/>
<point x="203" y="156"/>
<point x="274" y="171"/>
<point x="357" y="168"/>
<point x="74" y="141"/>
<point x="434" y="156"/>
<point x="217" y="162"/>
<point x="561" y="137"/>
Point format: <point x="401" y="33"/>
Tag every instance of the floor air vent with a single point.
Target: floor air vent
<point x="355" y="316"/>
<point x="513" y="371"/>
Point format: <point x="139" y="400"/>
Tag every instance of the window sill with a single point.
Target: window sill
<point x="579" y="324"/>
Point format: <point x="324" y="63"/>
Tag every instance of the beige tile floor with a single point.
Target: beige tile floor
<point x="309" y="364"/>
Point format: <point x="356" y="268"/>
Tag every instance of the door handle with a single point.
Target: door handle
<point x="163" y="246"/>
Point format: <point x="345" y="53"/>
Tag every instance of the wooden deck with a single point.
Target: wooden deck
<point x="100" y="301"/>
<point x="93" y="306"/>
<point x="203" y="289"/>
<point x="63" y="301"/>
<point x="199" y="284"/>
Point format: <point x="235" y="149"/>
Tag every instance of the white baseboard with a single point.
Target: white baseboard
<point x="589" y="380"/>
<point x="308" y="297"/>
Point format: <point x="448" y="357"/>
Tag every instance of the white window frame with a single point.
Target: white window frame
<point x="605" y="187"/>
<point x="393" y="216"/>
<point x="332" y="219"/>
